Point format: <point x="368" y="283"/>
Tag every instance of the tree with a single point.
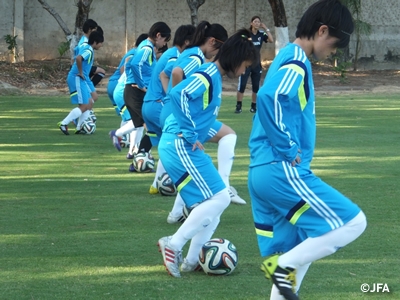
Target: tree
<point x="280" y="23"/>
<point x="81" y="16"/>
<point x="194" y="7"/>
<point x="360" y="27"/>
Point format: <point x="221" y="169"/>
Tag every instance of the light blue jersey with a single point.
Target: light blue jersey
<point x="140" y="67"/>
<point x="189" y="61"/>
<point x="87" y="53"/>
<point x="196" y="102"/>
<point x="155" y="90"/>
<point x="82" y="41"/>
<point x="117" y="74"/>
<point x="289" y="203"/>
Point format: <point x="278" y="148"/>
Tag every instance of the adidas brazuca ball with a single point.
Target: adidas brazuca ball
<point x="125" y="141"/>
<point x="218" y="257"/>
<point x="92" y="117"/>
<point x="88" y="127"/>
<point x="165" y="185"/>
<point x="143" y="162"/>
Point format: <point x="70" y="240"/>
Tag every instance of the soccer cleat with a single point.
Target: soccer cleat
<point x="63" y="128"/>
<point x="188" y="267"/>
<point x="235" y="198"/>
<point x="79" y="131"/>
<point x="153" y="190"/>
<point x="132" y="168"/>
<point x="129" y="156"/>
<point x="172" y="220"/>
<point x="238" y="109"/>
<point x="115" y="140"/>
<point x="171" y="257"/>
<point x="283" y="278"/>
<point x="253" y="109"/>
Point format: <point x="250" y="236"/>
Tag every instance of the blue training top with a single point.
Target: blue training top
<point x="117" y="73"/>
<point x="285" y="118"/>
<point x="196" y="101"/>
<point x="139" y="68"/>
<point x="155" y="90"/>
<point x="87" y="53"/>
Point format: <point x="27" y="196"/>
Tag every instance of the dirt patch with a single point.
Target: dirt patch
<point x="49" y="77"/>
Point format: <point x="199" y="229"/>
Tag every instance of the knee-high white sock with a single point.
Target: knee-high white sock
<point x="226" y="154"/>
<point x="123" y="123"/>
<point x="127" y="128"/>
<point x="135" y="137"/>
<point x="200" y="217"/>
<point x="82" y="118"/>
<point x="199" y="239"/>
<point x="301" y="272"/>
<point x="73" y="114"/>
<point x="159" y="171"/>
<point x="178" y="206"/>
<point x="313" y="249"/>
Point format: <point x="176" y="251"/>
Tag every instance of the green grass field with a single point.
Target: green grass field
<point x="75" y="224"/>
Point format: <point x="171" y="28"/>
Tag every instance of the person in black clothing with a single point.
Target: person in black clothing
<point x="258" y="37"/>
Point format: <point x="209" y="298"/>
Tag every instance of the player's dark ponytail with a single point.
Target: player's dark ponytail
<point x="205" y="30"/>
<point x="237" y="49"/>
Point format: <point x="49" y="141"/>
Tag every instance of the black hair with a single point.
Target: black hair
<point x="99" y="29"/>
<point x="237" y="49"/>
<point x="331" y="13"/>
<point x="252" y="19"/>
<point x="162" y="28"/>
<point x="182" y="34"/>
<point x="95" y="36"/>
<point x="89" y="25"/>
<point x="141" y="38"/>
<point x="163" y="49"/>
<point x="205" y="30"/>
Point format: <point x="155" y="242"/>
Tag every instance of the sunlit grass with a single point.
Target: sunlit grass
<point x="75" y="224"/>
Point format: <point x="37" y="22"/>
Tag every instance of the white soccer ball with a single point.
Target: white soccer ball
<point x="165" y="185"/>
<point x="143" y="162"/>
<point x="88" y="127"/>
<point x="125" y="141"/>
<point x="218" y="257"/>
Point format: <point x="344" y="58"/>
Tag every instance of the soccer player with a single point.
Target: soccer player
<point x="138" y="71"/>
<point x="152" y="104"/>
<point x="79" y="83"/>
<point x="294" y="211"/>
<point x="258" y="37"/>
<point x="196" y="101"/>
<point x="113" y="80"/>
<point x="96" y="74"/>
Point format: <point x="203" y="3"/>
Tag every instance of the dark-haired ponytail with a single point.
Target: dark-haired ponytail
<point x="206" y="30"/>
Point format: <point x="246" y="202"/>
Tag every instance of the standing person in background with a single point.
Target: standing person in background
<point x="258" y="37"/>
<point x="195" y="104"/>
<point x="295" y="213"/>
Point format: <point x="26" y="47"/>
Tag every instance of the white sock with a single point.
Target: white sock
<point x="199" y="219"/>
<point x="82" y="118"/>
<point x="123" y="123"/>
<point x="127" y="128"/>
<point x="226" y="154"/>
<point x="159" y="171"/>
<point x="178" y="206"/>
<point x="316" y="248"/>
<point x="135" y="137"/>
<point x="73" y="114"/>
<point x="300" y="273"/>
<point x="199" y="239"/>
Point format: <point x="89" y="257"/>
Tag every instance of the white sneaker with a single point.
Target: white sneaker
<point x="172" y="220"/>
<point x="188" y="267"/>
<point x="171" y="256"/>
<point x="235" y="197"/>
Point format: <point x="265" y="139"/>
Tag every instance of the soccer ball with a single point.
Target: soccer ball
<point x="165" y="185"/>
<point x="92" y="117"/>
<point x="125" y="141"/>
<point x="143" y="162"/>
<point x="218" y="257"/>
<point x="88" y="127"/>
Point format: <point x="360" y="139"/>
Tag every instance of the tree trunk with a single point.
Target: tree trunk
<point x="82" y="15"/>
<point x="280" y="22"/>
<point x="194" y="6"/>
<point x="56" y="16"/>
